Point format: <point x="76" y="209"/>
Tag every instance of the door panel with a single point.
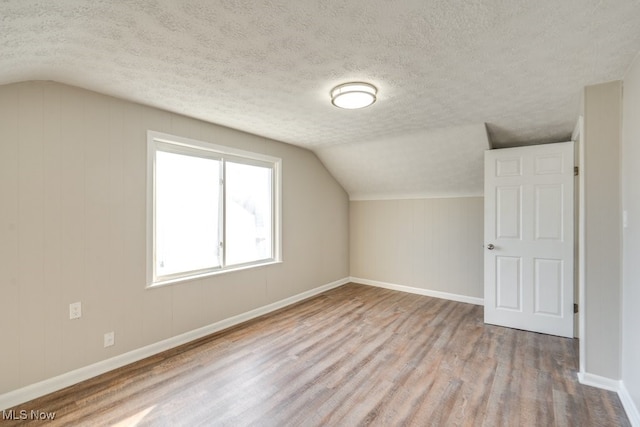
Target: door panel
<point x="548" y="286"/>
<point x="549" y="164"/>
<point x="508" y="212"/>
<point x="509" y="167"/>
<point x="529" y="238"/>
<point x="509" y="283"/>
<point x="548" y="217"/>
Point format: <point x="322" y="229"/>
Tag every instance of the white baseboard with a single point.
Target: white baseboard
<point x="32" y="391"/>
<point x="419" y="291"/>
<point x="629" y="406"/>
<point x="598" y="381"/>
<point x="613" y="385"/>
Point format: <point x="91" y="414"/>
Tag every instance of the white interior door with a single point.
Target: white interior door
<point x="528" y="233"/>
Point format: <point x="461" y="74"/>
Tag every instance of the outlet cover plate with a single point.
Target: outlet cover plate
<point x="75" y="310"/>
<point x="109" y="339"/>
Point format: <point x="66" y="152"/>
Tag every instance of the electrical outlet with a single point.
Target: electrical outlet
<point x="75" y="310"/>
<point x="109" y="339"/>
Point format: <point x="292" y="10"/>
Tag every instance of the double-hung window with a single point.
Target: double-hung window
<point x="210" y="209"/>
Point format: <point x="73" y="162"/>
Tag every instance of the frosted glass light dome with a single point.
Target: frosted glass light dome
<point x="353" y="95"/>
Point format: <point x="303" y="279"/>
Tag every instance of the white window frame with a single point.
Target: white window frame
<point x="179" y="144"/>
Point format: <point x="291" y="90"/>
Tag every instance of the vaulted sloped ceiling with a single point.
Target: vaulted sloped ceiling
<point x="443" y="69"/>
<point x="444" y="162"/>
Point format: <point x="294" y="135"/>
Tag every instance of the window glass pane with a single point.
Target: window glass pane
<point x="248" y="213"/>
<point x="187" y="213"/>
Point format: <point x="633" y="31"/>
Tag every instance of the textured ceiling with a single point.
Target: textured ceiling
<point x="447" y="162"/>
<point x="266" y="67"/>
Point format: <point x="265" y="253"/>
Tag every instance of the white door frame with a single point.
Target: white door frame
<point x="578" y="137"/>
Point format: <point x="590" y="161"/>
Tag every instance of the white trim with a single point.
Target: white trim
<point x="208" y="146"/>
<point x="234" y="269"/>
<point x="598" y="381"/>
<point x="578" y="138"/>
<point x="617" y="386"/>
<point x="32" y="391"/>
<point x="420" y="291"/>
<point x="577" y="129"/>
<point x="629" y="406"/>
<point x="164" y="142"/>
<point x="408" y="196"/>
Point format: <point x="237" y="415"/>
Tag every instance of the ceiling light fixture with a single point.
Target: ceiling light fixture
<point x="353" y="95"/>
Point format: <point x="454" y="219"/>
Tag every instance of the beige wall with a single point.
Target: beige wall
<point x="72" y="227"/>
<point x="431" y="244"/>
<point x="631" y="234"/>
<point x="603" y="254"/>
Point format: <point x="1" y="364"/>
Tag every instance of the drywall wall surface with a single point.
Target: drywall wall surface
<point x="431" y="244"/>
<point x="631" y="233"/>
<point x="73" y="228"/>
<point x="603" y="241"/>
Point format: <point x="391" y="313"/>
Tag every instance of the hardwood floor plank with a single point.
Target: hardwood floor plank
<point x="355" y="355"/>
<point x="567" y="408"/>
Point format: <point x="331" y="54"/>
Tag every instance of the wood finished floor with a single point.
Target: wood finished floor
<point x="356" y="355"/>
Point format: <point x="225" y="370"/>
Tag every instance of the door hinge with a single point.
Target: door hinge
<point x="576" y="170"/>
<point x="575" y="308"/>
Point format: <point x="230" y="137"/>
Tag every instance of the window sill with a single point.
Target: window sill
<point x="176" y="280"/>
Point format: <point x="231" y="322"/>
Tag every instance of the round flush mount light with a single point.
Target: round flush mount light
<point x="353" y="95"/>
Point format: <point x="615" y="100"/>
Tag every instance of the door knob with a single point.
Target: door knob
<point x="490" y="246"/>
